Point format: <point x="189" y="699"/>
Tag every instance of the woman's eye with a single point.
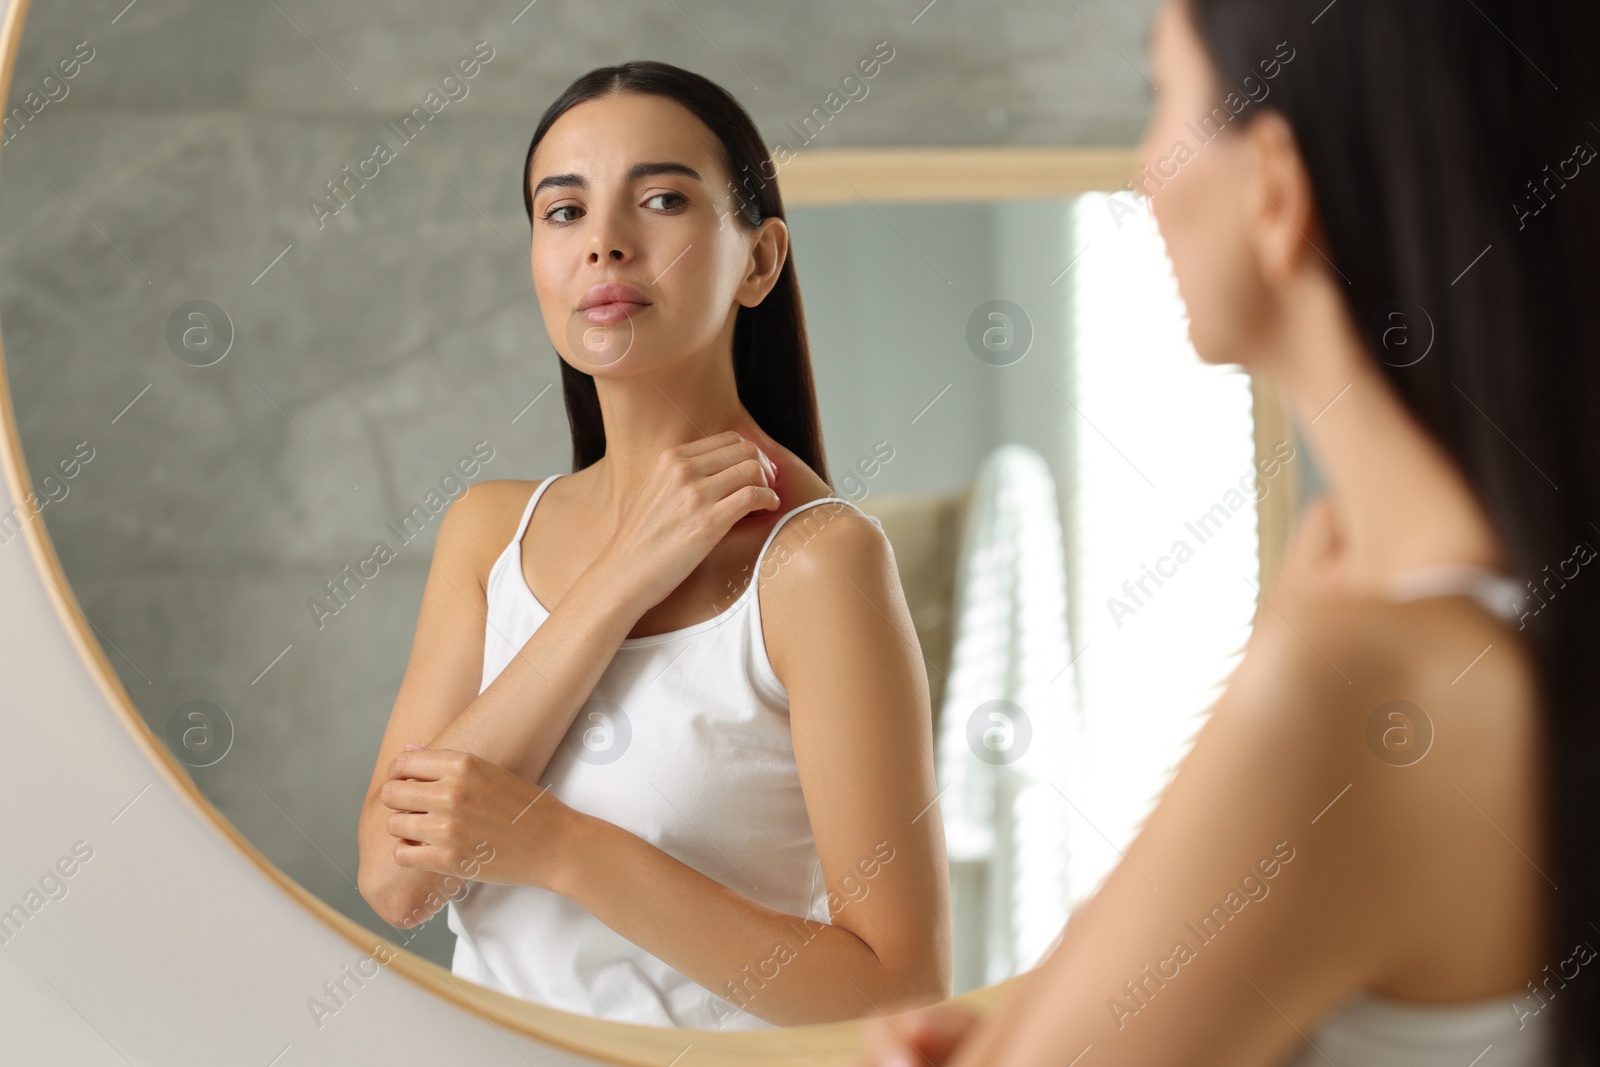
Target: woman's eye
<point x="675" y="200"/>
<point x="552" y="214"/>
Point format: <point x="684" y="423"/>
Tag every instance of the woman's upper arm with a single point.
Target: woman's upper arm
<point x="446" y="664"/>
<point x="841" y="640"/>
<point x="1258" y="894"/>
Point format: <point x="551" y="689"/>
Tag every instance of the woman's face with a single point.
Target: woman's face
<point x="630" y="191"/>
<point x="1201" y="194"/>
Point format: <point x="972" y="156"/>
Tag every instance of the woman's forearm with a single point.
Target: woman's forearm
<point x="516" y="722"/>
<point x="521" y="718"/>
<point x="781" y="968"/>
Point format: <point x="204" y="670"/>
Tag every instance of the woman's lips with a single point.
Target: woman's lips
<point x="612" y="302"/>
<point x="616" y="311"/>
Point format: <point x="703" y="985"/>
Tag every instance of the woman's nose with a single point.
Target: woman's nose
<point x="610" y="240"/>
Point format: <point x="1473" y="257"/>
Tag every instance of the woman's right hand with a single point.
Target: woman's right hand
<point x="690" y="501"/>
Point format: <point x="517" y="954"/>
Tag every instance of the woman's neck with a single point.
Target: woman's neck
<point x="646" y="414"/>
<point x="1400" y="500"/>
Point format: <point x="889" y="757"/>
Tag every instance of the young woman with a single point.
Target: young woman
<point x="1376" y="851"/>
<point x="675" y="760"/>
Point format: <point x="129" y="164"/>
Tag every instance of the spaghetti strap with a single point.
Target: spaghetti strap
<point x="792" y="512"/>
<point x="527" y="512"/>
<point x="1499" y="593"/>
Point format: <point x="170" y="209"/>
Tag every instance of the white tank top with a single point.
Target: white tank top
<point x="1370" y="1031"/>
<point x="683" y="742"/>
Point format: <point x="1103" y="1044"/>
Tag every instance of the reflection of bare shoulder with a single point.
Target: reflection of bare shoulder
<point x="829" y="566"/>
<point x="823" y="539"/>
<point x="480" y="523"/>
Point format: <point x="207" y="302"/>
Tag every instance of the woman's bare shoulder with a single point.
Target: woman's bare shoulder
<point x="1407" y="735"/>
<point x="479" y="524"/>
<point x="833" y="537"/>
<point x="1314" y="632"/>
<point x="1350" y="655"/>
<point x="825" y="562"/>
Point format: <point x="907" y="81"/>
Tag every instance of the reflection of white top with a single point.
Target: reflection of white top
<point x="1372" y="1031"/>
<point x="685" y="743"/>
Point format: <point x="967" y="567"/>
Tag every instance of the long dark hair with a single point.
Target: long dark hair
<point x="1439" y="138"/>
<point x="771" y="355"/>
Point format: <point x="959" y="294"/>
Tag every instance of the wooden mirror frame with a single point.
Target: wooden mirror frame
<point x="818" y="177"/>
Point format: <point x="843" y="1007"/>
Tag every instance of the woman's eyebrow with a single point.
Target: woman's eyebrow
<point x="635" y="172"/>
<point x="560" y="181"/>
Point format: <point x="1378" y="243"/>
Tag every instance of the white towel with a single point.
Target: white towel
<point x="1006" y="818"/>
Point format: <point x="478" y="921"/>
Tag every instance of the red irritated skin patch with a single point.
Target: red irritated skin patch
<point x="770" y="453"/>
<point x="772" y="470"/>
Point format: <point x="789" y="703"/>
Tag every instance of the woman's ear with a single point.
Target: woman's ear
<point x="768" y="254"/>
<point x="1282" y="225"/>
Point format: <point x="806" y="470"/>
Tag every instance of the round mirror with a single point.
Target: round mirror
<point x="269" y="319"/>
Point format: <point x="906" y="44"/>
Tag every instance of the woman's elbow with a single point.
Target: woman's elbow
<point x="397" y="899"/>
<point x="397" y="904"/>
<point x="376" y="890"/>
<point x="918" y="983"/>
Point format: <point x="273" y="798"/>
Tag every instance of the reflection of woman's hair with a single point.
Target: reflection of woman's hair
<point x="771" y="357"/>
<point x="1448" y="186"/>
